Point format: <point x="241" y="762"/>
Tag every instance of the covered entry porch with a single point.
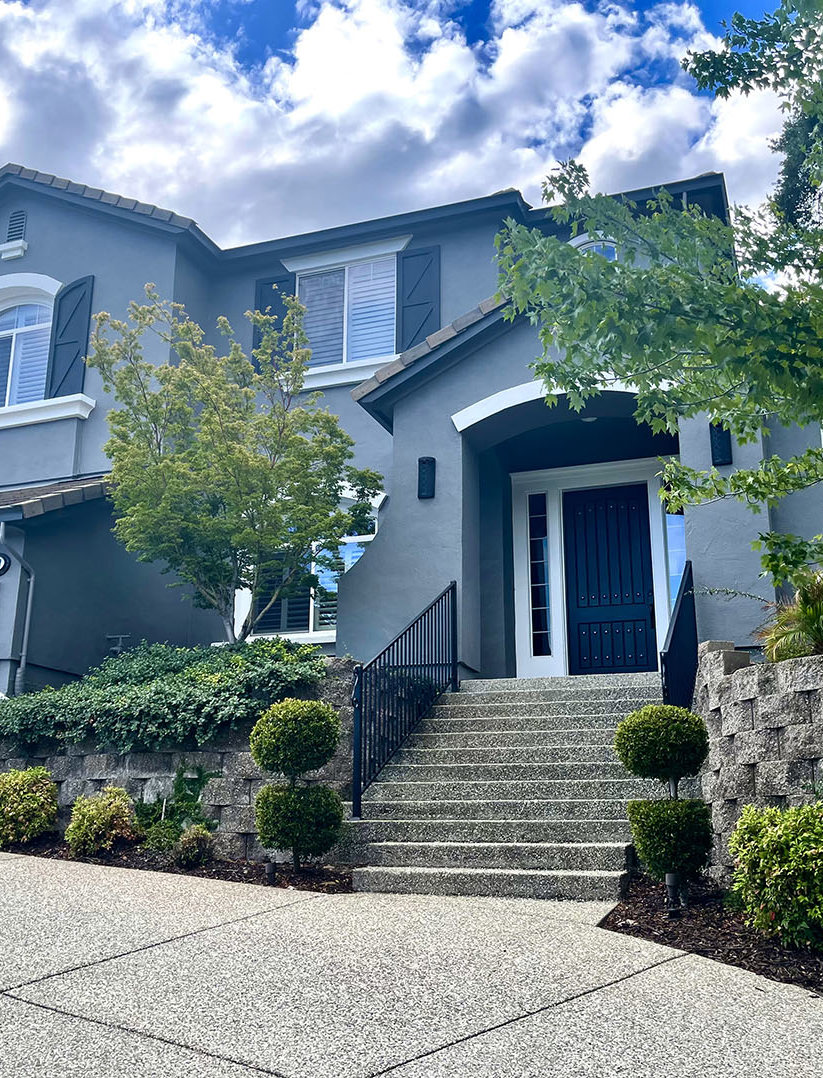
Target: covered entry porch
<point x="578" y="562"/>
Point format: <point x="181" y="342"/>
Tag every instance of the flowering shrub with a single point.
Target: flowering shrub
<point x="28" y="804"/>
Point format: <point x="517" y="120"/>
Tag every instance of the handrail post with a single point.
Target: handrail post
<point x="357" y="742"/>
<point x="455" y="684"/>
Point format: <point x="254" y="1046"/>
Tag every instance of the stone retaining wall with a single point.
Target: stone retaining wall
<point x="84" y="770"/>
<point x="765" y="723"/>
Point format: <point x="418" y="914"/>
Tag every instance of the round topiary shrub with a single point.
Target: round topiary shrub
<point x="306" y="820"/>
<point x="778" y="873"/>
<point x="672" y="836"/>
<point x="98" y="822"/>
<point x="662" y="742"/>
<point x="195" y="847"/>
<point x="28" y="804"/>
<point x="295" y="736"/>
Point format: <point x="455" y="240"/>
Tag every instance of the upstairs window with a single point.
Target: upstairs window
<point x="350" y="312"/>
<point x="25" y="332"/>
<point x="604" y="248"/>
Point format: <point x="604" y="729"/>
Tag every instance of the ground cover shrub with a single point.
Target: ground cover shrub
<point x="162" y="836"/>
<point x="28" y="804"/>
<point x="797" y="626"/>
<point x="778" y="874"/>
<point x="155" y="696"/>
<point x="195" y="847"/>
<point x="662" y="742"/>
<point x="672" y="836"/>
<point x="291" y="738"/>
<point x="98" y="822"/>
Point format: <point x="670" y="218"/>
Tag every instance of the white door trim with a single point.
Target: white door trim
<point x="554" y="481"/>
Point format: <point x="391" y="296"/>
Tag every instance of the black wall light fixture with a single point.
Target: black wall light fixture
<point x="425" y="477"/>
<point x="721" y="443"/>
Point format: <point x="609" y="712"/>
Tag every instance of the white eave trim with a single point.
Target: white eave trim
<point x="345" y="255"/>
<point x="510" y="398"/>
<point x="74" y="406"/>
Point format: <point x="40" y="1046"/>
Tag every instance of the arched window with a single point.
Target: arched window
<point x="605" y="248"/>
<point x="25" y="331"/>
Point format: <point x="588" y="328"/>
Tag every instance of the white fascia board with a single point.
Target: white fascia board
<point x="514" y="395"/>
<point x="344" y="374"/>
<point x="342" y="256"/>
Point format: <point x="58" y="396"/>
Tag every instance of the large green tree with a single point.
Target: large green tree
<point x="223" y="470"/>
<point x="699" y="317"/>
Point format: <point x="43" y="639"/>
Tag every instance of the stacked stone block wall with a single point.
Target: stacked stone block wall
<point x="765" y="723"/>
<point x="148" y="776"/>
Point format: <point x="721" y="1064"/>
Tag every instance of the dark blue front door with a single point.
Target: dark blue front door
<point x="609" y="586"/>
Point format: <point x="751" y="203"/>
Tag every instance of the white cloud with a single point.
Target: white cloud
<point x="379" y="107"/>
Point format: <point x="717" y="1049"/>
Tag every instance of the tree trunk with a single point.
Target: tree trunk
<point x="228" y="628"/>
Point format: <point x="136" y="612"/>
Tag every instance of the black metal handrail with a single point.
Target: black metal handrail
<point x="678" y="659"/>
<point x="396" y="689"/>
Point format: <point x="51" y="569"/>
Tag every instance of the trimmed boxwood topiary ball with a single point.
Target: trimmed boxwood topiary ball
<point x="295" y="736"/>
<point x="304" y="819"/>
<point x="671" y="836"/>
<point x="662" y="742"/>
<point x="28" y="804"/>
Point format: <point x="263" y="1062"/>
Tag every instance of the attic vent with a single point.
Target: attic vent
<point x="17" y="226"/>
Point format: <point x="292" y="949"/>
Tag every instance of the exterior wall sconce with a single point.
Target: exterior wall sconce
<point x="426" y="467"/>
<point x="721" y="444"/>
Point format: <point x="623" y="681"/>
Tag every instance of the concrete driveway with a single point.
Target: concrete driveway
<point x="110" y="972"/>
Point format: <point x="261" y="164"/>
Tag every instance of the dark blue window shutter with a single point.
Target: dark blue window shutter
<point x="721" y="443"/>
<point x="266" y="296"/>
<point x="69" y="338"/>
<point x="418" y="295"/>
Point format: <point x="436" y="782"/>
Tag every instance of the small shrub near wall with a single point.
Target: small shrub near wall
<point x="28" y="805"/>
<point x="156" y="696"/>
<point x="779" y="872"/>
<point x="98" y="822"/>
<point x="672" y="836"/>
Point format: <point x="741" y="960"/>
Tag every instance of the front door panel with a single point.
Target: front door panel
<point x="609" y="584"/>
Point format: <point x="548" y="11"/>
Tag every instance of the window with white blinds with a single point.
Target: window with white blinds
<point x="25" y="331"/>
<point x="350" y="312"/>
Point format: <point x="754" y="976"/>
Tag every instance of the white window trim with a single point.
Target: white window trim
<point x="554" y="481"/>
<point x="344" y="256"/>
<point x="17" y="289"/>
<point x="73" y="406"/>
<point x="13" y="249"/>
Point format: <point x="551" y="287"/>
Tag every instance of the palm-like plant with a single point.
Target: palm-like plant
<point x="797" y="627"/>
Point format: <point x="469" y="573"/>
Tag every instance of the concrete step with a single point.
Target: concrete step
<point x="489" y="770"/>
<point x="508" y="754"/>
<point x="513" y="883"/>
<point x="510" y="790"/>
<point x="469" y="706"/>
<point x="441" y="723"/>
<point x="360" y="832"/>
<point x="465" y="808"/>
<point x="461" y="738"/>
<point x="544" y="856"/>
<point x="546" y="696"/>
<point x="596" y="682"/>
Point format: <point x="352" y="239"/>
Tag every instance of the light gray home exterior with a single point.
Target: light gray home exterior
<point x="455" y="385"/>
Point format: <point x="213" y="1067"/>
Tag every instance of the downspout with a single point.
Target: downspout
<point x="20" y="676"/>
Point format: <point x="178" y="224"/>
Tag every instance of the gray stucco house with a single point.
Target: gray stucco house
<point x="549" y="521"/>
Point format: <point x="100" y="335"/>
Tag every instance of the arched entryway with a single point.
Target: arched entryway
<point x="575" y="550"/>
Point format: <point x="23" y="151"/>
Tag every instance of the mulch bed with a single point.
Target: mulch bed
<point x="330" y="879"/>
<point x="712" y="928"/>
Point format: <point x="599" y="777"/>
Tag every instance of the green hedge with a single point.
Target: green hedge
<point x="156" y="696"/>
<point x="779" y="872"/>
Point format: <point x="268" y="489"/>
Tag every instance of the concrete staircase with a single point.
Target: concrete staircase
<point x="510" y="787"/>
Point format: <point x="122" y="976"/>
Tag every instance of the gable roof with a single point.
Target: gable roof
<point x="378" y="393"/>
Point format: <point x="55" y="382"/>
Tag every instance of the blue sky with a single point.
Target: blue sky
<point x="266" y="117"/>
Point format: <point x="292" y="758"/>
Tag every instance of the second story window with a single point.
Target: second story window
<point x="25" y="331"/>
<point x="350" y="311"/>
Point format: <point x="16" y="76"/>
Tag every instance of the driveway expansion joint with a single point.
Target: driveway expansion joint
<point x="156" y="943"/>
<point x="525" y="1015"/>
<point x="115" y="1027"/>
